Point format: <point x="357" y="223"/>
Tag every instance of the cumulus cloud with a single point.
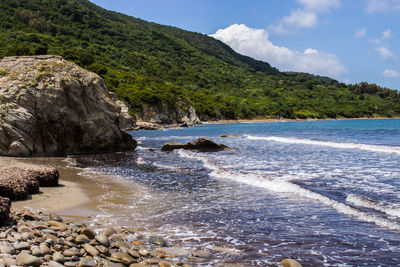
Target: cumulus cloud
<point x="255" y="43"/>
<point x="376" y="6"/>
<point x="384" y="52"/>
<point x="306" y="16"/>
<point x="360" y="33"/>
<point x="387" y="73"/>
<point x="386" y="34"/>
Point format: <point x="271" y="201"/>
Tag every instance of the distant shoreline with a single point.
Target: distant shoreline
<point x="294" y="120"/>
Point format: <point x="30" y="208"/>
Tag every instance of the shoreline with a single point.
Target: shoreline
<point x="293" y="120"/>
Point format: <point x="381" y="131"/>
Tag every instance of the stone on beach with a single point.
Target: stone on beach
<point x="290" y="263"/>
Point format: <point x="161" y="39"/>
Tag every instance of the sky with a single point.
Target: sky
<point x="349" y="40"/>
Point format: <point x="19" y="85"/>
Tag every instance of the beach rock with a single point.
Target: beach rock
<point x="55" y="217"/>
<point x="103" y="240"/>
<point x="109" y="232"/>
<point x="25" y="259"/>
<point x="290" y="263"/>
<point x="91" y="250"/>
<point x="22" y="246"/>
<point x="87" y="262"/>
<point x="201" y="144"/>
<point x="57" y="225"/>
<point x="127" y="260"/>
<point x="53" y="107"/>
<point x="55" y="264"/>
<point x="82" y="239"/>
<point x="88" y="232"/>
<point x="45" y="248"/>
<point x="157" y="240"/>
<point x="58" y="257"/>
<point x="7" y="250"/>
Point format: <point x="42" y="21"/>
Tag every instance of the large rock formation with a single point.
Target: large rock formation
<point x="159" y="114"/>
<point x="49" y="106"/>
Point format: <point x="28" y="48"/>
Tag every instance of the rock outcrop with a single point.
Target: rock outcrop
<point x="49" y="106"/>
<point x="201" y="144"/>
<point x="158" y="114"/>
<point x="17" y="183"/>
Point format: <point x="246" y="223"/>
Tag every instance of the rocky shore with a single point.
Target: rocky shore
<point x="38" y="239"/>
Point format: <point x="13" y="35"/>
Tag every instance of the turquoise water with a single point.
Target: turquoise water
<point x="326" y="193"/>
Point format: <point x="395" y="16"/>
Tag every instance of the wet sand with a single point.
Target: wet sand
<point x="77" y="196"/>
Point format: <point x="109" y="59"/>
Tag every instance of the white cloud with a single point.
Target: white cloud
<point x="360" y="33"/>
<point x="375" y="6"/>
<point x="305" y="17"/>
<point x="384" y="52"/>
<point x="387" y="73"/>
<point x="386" y="34"/>
<point x="256" y="43"/>
<point x="301" y="19"/>
<point x="319" y="5"/>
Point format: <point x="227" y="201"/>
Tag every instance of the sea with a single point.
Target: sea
<point x="325" y="193"/>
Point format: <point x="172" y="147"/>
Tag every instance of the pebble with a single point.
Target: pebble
<point x="44" y="248"/>
<point x="91" y="250"/>
<point x="89" y="233"/>
<point x="103" y="240"/>
<point x="55" y="264"/>
<point x="109" y="232"/>
<point x="290" y="263"/>
<point x="55" y="217"/>
<point x="58" y="257"/>
<point x="50" y="241"/>
<point x="82" y="239"/>
<point x="21" y="245"/>
<point x="157" y="240"/>
<point x="126" y="259"/>
<point x="57" y="226"/>
<point x="87" y="262"/>
<point x="7" y="250"/>
<point x="72" y="252"/>
<point x="36" y="251"/>
<point x="28" y="260"/>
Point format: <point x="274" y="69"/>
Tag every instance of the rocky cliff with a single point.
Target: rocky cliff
<point x="184" y="113"/>
<point x="49" y="106"/>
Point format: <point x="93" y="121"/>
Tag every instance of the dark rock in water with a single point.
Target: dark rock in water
<point x="54" y="107"/>
<point x="201" y="144"/>
<point x="5" y="205"/>
<point x="157" y="240"/>
<point x="229" y="135"/>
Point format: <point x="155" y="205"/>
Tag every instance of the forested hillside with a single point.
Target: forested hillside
<point x="148" y="63"/>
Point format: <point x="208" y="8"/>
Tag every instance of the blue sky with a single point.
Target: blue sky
<point x="349" y="40"/>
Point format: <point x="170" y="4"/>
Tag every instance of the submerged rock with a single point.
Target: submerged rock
<point x="49" y="106"/>
<point x="201" y="144"/>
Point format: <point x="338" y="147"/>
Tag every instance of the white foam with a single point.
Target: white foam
<point x="373" y="148"/>
<point x="286" y="187"/>
<point x="365" y="202"/>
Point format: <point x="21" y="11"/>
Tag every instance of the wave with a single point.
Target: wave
<point x="372" y="148"/>
<point x="286" y="187"/>
<point x="365" y="202"/>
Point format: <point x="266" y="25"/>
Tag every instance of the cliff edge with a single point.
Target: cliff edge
<point x="50" y="106"/>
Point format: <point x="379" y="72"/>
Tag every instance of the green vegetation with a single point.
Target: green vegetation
<point x="148" y="63"/>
